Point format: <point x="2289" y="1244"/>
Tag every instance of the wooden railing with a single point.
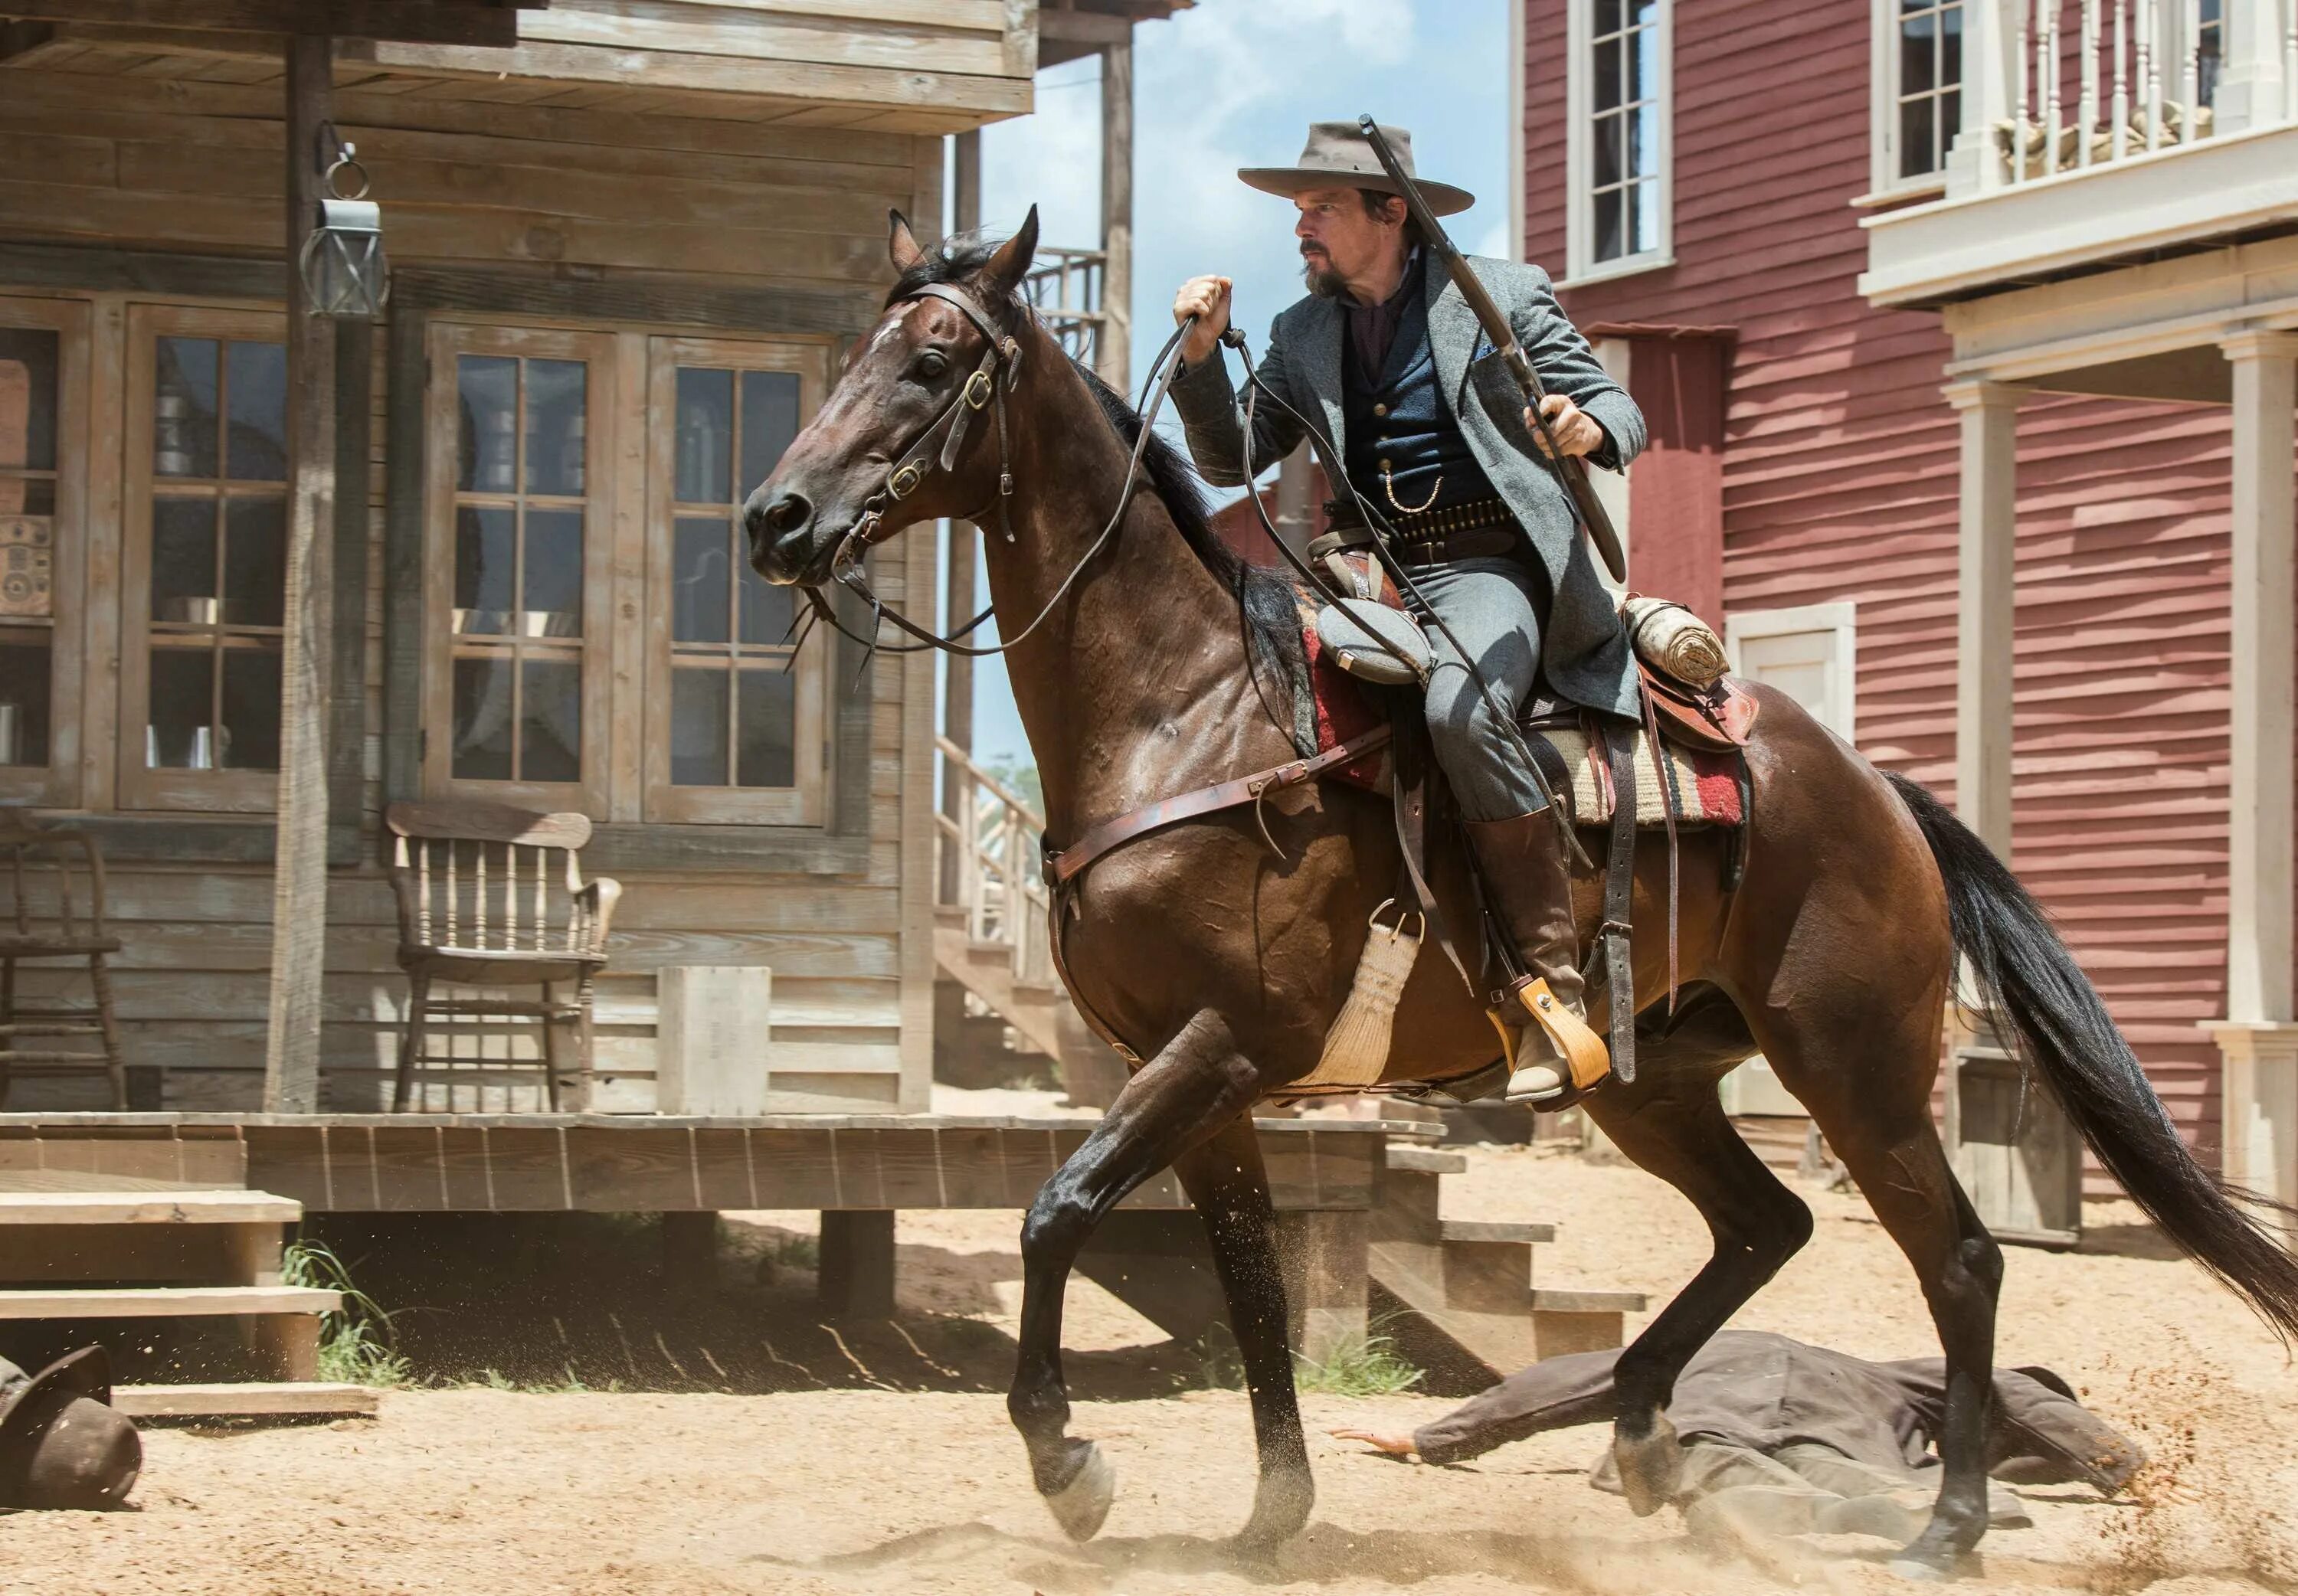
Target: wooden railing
<point x="2060" y="86"/>
<point x="998" y="878"/>
<point x="1065" y="288"/>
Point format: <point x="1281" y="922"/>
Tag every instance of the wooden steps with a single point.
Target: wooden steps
<point x="189" y="1253"/>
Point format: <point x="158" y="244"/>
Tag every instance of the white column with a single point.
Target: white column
<point x="1990" y="62"/>
<point x="2259" y="1089"/>
<point x="2250" y="93"/>
<point x="1985" y="592"/>
<point x="2260" y="819"/>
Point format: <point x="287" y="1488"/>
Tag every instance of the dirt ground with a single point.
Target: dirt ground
<point x="881" y="1469"/>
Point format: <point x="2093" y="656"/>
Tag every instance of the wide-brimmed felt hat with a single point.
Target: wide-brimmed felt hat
<point x="61" y="1445"/>
<point x="1338" y="155"/>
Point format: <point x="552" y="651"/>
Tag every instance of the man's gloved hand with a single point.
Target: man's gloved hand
<point x="1206" y="299"/>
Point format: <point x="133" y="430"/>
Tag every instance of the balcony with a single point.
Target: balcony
<point x="2096" y="133"/>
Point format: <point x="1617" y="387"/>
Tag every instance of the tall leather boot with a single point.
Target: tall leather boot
<point x="1530" y="886"/>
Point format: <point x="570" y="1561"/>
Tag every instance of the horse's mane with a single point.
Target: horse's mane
<point x="1267" y="599"/>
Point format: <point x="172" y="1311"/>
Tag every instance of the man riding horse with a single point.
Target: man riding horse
<point x="1386" y="350"/>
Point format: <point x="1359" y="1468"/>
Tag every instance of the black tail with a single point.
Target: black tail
<point x="2060" y="1030"/>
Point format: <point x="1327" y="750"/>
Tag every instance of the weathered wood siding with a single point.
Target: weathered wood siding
<point x="1840" y="483"/>
<point x="96" y="152"/>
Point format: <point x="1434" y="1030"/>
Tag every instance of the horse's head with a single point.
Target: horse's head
<point x="919" y="373"/>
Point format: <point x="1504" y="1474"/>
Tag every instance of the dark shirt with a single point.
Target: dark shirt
<point x="1753" y="1389"/>
<point x="1372" y="328"/>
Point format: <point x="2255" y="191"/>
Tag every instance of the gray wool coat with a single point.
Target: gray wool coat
<point x="1585" y="655"/>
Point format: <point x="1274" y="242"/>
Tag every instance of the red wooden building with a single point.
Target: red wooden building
<point x="1968" y="357"/>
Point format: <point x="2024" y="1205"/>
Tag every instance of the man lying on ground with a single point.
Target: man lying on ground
<point x="1789" y="1439"/>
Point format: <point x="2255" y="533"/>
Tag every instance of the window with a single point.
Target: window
<point x="41" y="345"/>
<point x="204" y="577"/>
<point x="1918" y="91"/>
<point x="734" y="726"/>
<point x="1617" y="92"/>
<point x="1810" y="652"/>
<point x="595" y="637"/>
<point x="517" y="574"/>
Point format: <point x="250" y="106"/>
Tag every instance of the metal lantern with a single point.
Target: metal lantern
<point x="345" y="273"/>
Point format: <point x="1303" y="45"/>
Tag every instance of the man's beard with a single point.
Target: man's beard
<point x="1323" y="281"/>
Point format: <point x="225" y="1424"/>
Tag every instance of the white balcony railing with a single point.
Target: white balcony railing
<point x="2063" y="86"/>
<point x="1065" y="288"/>
<point x="998" y="874"/>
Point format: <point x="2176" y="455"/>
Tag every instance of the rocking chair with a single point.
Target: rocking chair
<point x="63" y="928"/>
<point x="476" y="911"/>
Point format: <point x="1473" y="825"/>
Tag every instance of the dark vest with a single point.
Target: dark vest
<point x="1397" y="420"/>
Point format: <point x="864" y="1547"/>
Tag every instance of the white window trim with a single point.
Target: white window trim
<point x="1742" y="626"/>
<point x="1515" y="142"/>
<point x="1884" y="181"/>
<point x="1580" y="227"/>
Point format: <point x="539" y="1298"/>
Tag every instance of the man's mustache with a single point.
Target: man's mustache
<point x="1312" y="249"/>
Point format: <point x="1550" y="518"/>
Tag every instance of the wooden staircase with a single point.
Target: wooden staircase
<point x="103" y="1257"/>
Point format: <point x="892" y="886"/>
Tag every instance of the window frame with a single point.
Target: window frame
<point x="1839" y="618"/>
<point x="599" y="351"/>
<point x="142" y="787"/>
<point x="57" y="783"/>
<point x="1883" y="178"/>
<point x="1581" y="265"/>
<point x="806" y="802"/>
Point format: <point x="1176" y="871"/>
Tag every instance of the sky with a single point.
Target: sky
<point x="1236" y="83"/>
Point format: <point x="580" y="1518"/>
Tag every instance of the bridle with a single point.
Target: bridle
<point x="937" y="448"/>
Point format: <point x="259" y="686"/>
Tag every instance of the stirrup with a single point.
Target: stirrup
<point x="1581" y="1052"/>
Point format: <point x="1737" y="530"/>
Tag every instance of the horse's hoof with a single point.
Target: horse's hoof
<point x="1650" y="1466"/>
<point x="1080" y="1505"/>
<point x="1911" y="1568"/>
<point x="1933" y="1557"/>
<point x="1280" y="1510"/>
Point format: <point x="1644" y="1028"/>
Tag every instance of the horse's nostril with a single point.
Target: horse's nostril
<point x="788" y="512"/>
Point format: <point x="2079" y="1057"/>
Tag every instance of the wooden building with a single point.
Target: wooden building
<point x="627" y="241"/>
<point x="1966" y="341"/>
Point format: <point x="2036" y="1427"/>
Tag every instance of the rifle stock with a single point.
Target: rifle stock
<point x="1569" y="469"/>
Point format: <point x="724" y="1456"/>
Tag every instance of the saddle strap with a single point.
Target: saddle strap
<point x="1061" y="866"/>
<point x="1616" y="937"/>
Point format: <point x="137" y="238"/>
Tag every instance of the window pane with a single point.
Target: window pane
<point x="184" y="408"/>
<point x="1916" y="35"/>
<point x="1607" y="147"/>
<point x="183" y="560"/>
<point x="250" y="737"/>
<point x="21" y="496"/>
<point x="769" y="719"/>
<point x="1643" y="14"/>
<point x="1607" y="74"/>
<point x="487" y="394"/>
<point x="1643" y="140"/>
<point x="1950" y="47"/>
<point x="1608" y="16"/>
<point x="554" y="573"/>
<point x="254" y="562"/>
<point x="482" y="710"/>
<point x="706" y="435"/>
<point x="485" y="550"/>
<point x="769" y="423"/>
<point x="550" y="721"/>
<point x="24" y="683"/>
<point x="767" y="610"/>
<point x="1915" y="135"/>
<point x="1641" y="63"/>
<point x="554" y="423"/>
<point x="178" y="736"/>
<point x="698" y="728"/>
<point x="26" y="566"/>
<point x="1646" y="214"/>
<point x="1609" y="204"/>
<point x="28" y="402"/>
<point x="700" y="595"/>
<point x="256" y="377"/>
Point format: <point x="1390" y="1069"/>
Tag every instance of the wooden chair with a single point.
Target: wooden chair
<point x="476" y="909"/>
<point x="68" y="925"/>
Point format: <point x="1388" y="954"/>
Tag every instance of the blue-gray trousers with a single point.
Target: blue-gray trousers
<point x="1494" y="607"/>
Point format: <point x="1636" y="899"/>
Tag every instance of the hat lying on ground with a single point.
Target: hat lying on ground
<point x="1338" y="155"/>
<point x="61" y="1444"/>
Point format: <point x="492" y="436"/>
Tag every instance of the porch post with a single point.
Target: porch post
<point x="1990" y="56"/>
<point x="2250" y="86"/>
<point x="299" y="897"/>
<point x="1114" y="350"/>
<point x="1986" y="589"/>
<point x="2258" y="1093"/>
<point x="957" y="684"/>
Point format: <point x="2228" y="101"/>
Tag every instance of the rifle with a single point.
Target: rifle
<point x="1568" y="468"/>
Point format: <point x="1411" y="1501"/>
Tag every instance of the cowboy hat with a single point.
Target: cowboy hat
<point x="61" y="1444"/>
<point x="1338" y="155"/>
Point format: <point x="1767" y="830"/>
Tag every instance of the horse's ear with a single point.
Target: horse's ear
<point x="901" y="246"/>
<point x="1010" y="264"/>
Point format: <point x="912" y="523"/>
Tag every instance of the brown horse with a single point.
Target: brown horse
<point x="1222" y="963"/>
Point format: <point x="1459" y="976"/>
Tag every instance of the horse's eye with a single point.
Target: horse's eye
<point x="932" y="364"/>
